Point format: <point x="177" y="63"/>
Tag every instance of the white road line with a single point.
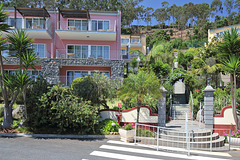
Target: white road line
<point x="155" y="153"/>
<point x="173" y="149"/>
<point x="119" y="156"/>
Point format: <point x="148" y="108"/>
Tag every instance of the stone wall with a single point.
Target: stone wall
<point x="51" y="66"/>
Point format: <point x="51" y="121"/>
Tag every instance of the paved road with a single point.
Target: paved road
<point x="63" y="149"/>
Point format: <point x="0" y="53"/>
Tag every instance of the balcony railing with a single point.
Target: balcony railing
<point x="25" y="24"/>
<point x="63" y="25"/>
<point x="127" y="42"/>
<point x="64" y="53"/>
<point x="130" y="56"/>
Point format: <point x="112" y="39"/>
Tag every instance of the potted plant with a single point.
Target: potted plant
<point x="127" y="133"/>
<point x="235" y="137"/>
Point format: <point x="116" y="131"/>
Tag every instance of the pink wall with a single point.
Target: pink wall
<point x="56" y="43"/>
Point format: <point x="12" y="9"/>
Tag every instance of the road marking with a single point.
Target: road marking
<point x="155" y="153"/>
<point x="119" y="156"/>
<point x="172" y="149"/>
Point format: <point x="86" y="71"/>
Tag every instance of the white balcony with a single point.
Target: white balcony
<point x="42" y="30"/>
<point x="85" y="32"/>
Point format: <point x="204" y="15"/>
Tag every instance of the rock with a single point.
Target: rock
<point x="18" y="112"/>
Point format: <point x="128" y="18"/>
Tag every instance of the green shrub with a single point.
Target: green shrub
<point x="145" y="133"/>
<point x="128" y="127"/>
<point x="1" y="120"/>
<point x="59" y="111"/>
<point x="1" y="111"/>
<point x="108" y="125"/>
<point x="16" y="123"/>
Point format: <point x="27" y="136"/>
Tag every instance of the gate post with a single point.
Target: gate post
<point x="162" y="108"/>
<point x="208" y="107"/>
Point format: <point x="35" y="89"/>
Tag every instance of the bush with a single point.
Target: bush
<point x="128" y="127"/>
<point x="145" y="133"/>
<point x="1" y="111"/>
<point x="108" y="125"/>
<point x="16" y="123"/>
<point x="1" y="120"/>
<point x="59" y="111"/>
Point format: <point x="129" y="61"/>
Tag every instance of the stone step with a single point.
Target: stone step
<point x="198" y="133"/>
<point x="182" y="144"/>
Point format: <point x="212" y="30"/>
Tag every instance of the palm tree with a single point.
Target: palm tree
<point x="232" y="65"/>
<point x="229" y="53"/>
<point x="21" y="44"/>
<point x="139" y="85"/>
<point x="12" y="84"/>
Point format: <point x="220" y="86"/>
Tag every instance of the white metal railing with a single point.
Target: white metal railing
<point x="63" y="25"/>
<point x="69" y="53"/>
<point x="182" y="140"/>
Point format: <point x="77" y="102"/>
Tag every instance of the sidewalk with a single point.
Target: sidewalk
<point x="12" y="135"/>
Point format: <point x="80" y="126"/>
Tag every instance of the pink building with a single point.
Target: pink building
<point x="71" y="43"/>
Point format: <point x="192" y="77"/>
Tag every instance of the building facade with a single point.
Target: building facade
<point x="129" y="44"/>
<point x="70" y="43"/>
<point x="219" y="31"/>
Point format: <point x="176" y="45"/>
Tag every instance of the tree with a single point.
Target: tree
<point x="148" y="15"/>
<point x="232" y="65"/>
<point x="229" y="4"/>
<point x="237" y="5"/>
<point x="12" y="84"/>
<point x="172" y="11"/>
<point x="97" y="89"/>
<point x="229" y="53"/>
<point x="138" y="86"/>
<point x="21" y="43"/>
<point x="216" y="6"/>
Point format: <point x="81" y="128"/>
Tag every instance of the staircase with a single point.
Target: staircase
<point x="179" y="111"/>
<point x="174" y="136"/>
<point x="199" y="139"/>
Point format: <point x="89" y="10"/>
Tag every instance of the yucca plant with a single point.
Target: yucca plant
<point x="229" y="54"/>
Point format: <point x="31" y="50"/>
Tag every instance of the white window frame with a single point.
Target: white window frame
<point x="89" y="49"/>
<point x="103" y="50"/>
<point x="136" y="41"/>
<point x="75" y="23"/>
<point x="44" y="49"/>
<point x="89" y="73"/>
<point x="25" y="24"/>
<point x="74" y="49"/>
<point x="103" y="24"/>
<point x="125" y="39"/>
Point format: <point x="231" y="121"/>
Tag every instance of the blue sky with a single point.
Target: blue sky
<point x="157" y="4"/>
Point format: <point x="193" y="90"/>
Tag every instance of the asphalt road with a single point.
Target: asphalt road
<point x="105" y="149"/>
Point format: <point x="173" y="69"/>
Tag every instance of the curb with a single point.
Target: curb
<point x="59" y="136"/>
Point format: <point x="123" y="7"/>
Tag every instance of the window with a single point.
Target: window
<point x="71" y="75"/>
<point x="100" y="51"/>
<point x="35" y="23"/>
<point x="76" y="24"/>
<point x="100" y="25"/>
<point x="77" y="51"/>
<point x="33" y="73"/>
<point x="39" y="50"/>
<point x="135" y="40"/>
<point x="7" y="52"/>
<point x="11" y="21"/>
<point x="124" y="52"/>
<point x="125" y="41"/>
